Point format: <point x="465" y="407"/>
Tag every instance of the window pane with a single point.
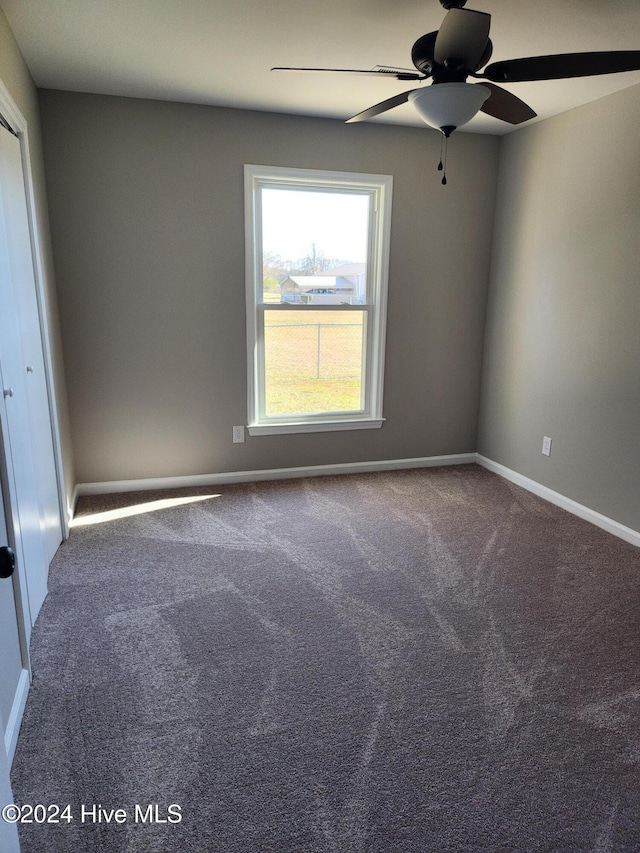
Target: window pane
<point x="317" y="262"/>
<point x="313" y="361"/>
<point x="314" y="246"/>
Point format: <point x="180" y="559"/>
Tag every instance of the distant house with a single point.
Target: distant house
<point x="318" y="289"/>
<point x="357" y="273"/>
<point x="340" y="285"/>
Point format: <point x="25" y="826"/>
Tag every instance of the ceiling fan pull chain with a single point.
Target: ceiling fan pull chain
<point x="443" y="166"/>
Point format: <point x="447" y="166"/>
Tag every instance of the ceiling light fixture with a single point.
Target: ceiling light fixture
<point x="447" y="106"/>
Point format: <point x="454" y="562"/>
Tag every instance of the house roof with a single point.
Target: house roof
<point x="306" y="282"/>
<point x="347" y="269"/>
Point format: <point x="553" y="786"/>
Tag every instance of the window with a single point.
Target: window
<point x="317" y="248"/>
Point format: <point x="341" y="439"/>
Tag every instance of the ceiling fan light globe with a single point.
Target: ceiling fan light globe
<point x="449" y="104"/>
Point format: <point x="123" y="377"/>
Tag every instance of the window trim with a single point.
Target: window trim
<point x="375" y="309"/>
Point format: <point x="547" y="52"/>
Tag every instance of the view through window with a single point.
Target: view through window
<point x="314" y="253"/>
<point x="315" y="296"/>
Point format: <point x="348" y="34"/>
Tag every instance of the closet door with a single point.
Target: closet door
<point x="11" y="677"/>
<point x="28" y="441"/>
<point x="12" y="188"/>
<point x="14" y="663"/>
<point x="8" y="831"/>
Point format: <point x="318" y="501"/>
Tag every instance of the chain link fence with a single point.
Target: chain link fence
<point x="313" y="366"/>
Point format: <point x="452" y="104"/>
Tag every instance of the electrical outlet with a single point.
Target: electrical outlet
<point x="546" y="445"/>
<point x="238" y="435"/>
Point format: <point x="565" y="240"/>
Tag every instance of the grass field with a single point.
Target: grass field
<point x="313" y="363"/>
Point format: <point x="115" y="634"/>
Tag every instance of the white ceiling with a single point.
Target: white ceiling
<point x="220" y="51"/>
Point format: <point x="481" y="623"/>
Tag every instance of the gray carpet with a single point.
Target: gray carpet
<point x="428" y="660"/>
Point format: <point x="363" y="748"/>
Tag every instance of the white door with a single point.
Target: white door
<point x="20" y="259"/>
<point x="12" y="672"/>
<point x="28" y="439"/>
<point x="8" y="831"/>
<point x="11" y="677"/>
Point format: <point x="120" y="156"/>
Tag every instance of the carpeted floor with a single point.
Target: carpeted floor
<point x="430" y="660"/>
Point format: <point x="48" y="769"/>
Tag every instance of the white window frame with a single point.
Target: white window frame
<point x="379" y="187"/>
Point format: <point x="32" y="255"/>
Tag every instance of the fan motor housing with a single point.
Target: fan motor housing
<point x="422" y="53"/>
<point x="422" y="56"/>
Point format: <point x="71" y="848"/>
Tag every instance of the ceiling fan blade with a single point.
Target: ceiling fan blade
<point x="563" y="65"/>
<point x="463" y="37"/>
<point x="385" y="72"/>
<point x="506" y="106"/>
<point x="382" y="107"/>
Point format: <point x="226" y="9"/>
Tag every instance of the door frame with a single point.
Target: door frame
<point x="13" y="115"/>
<point x="8" y="831"/>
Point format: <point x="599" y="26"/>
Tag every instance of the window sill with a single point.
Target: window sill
<point x="314" y="426"/>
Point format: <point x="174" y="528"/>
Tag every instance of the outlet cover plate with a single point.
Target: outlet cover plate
<point x="546" y="445"/>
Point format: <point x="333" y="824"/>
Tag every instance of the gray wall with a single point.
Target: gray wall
<point x="15" y="75"/>
<point x="146" y="204"/>
<point x="562" y="354"/>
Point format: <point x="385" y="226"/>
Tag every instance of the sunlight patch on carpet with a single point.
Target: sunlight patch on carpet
<point x="136" y="509"/>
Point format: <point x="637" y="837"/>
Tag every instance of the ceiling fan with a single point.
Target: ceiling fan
<point x="458" y="50"/>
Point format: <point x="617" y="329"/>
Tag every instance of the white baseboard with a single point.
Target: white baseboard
<point x="157" y="483"/>
<point x="608" y="524"/>
<point x="71" y="505"/>
<point x="12" y="728"/>
<point x="114" y="486"/>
